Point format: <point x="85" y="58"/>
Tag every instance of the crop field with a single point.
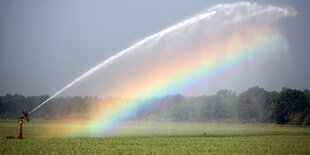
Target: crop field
<point x="41" y="137"/>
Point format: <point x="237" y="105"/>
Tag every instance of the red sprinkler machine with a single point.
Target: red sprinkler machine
<point x="20" y="136"/>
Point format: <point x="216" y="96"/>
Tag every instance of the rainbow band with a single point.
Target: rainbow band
<point x="209" y="62"/>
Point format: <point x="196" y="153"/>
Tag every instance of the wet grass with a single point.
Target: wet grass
<point x="158" y="138"/>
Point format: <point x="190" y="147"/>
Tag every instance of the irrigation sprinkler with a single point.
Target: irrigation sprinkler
<point x="20" y="136"/>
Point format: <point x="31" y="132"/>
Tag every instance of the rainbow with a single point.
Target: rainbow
<point x="227" y="39"/>
<point x="210" y="61"/>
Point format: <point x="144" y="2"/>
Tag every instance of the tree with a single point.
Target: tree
<point x="290" y="103"/>
<point x="220" y="106"/>
<point x="253" y="105"/>
<point x="272" y="97"/>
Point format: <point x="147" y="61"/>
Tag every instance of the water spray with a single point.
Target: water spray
<point x="130" y="49"/>
<point x="218" y="9"/>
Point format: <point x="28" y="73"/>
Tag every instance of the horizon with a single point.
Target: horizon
<point x="167" y="95"/>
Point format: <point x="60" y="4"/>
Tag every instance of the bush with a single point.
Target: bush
<point x="296" y="119"/>
<point x="306" y="121"/>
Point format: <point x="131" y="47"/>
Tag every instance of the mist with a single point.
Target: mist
<point x="156" y="63"/>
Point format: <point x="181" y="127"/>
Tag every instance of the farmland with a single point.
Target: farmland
<point x="41" y="137"/>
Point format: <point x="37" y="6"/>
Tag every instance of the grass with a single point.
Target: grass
<point x="156" y="138"/>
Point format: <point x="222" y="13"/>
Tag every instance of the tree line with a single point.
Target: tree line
<point x="256" y="105"/>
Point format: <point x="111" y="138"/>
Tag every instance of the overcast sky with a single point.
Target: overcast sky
<point x="44" y="45"/>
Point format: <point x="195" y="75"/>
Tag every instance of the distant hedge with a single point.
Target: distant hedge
<point x="256" y="105"/>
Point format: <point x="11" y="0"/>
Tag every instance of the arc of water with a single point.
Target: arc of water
<point x="155" y="36"/>
<point x="285" y="11"/>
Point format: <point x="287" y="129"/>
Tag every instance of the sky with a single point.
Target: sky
<point x="44" y="45"/>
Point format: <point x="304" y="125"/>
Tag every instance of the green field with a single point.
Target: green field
<point x="156" y="138"/>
